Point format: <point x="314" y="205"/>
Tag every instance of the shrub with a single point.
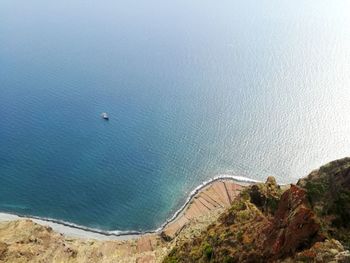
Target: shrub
<point x="240" y="236"/>
<point x="208" y="250"/>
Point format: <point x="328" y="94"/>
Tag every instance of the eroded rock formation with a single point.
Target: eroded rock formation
<point x="308" y="222"/>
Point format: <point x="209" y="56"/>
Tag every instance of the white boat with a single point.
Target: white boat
<point x="104" y="116"/>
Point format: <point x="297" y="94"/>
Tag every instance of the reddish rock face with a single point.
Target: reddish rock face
<point x="266" y="225"/>
<point x="294" y="226"/>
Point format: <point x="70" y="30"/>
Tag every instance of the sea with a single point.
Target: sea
<point x="194" y="89"/>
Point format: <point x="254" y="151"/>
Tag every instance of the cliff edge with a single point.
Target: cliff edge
<point x="307" y="222"/>
<point x="223" y="222"/>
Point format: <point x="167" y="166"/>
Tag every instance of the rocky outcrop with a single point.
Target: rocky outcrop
<point x="224" y="222"/>
<point x="266" y="196"/>
<point x="293" y="228"/>
<point x="327" y="251"/>
<point x="328" y="190"/>
<point x="308" y="222"/>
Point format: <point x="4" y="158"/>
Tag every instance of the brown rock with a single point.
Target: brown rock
<point x="165" y="237"/>
<point x="265" y="196"/>
<point x="294" y="226"/>
<point x="3" y="249"/>
<point x="328" y="190"/>
<point x="327" y="251"/>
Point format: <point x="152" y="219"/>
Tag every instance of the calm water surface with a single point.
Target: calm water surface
<point x="193" y="89"/>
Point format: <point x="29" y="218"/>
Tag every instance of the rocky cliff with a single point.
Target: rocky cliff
<point x="224" y="222"/>
<point x="307" y="222"/>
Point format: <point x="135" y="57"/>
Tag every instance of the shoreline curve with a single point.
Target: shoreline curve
<point x="87" y="232"/>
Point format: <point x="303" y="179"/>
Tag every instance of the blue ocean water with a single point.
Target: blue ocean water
<point x="193" y="89"/>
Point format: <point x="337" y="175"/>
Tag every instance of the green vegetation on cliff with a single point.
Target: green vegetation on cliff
<point x="328" y="190"/>
<point x="265" y="224"/>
